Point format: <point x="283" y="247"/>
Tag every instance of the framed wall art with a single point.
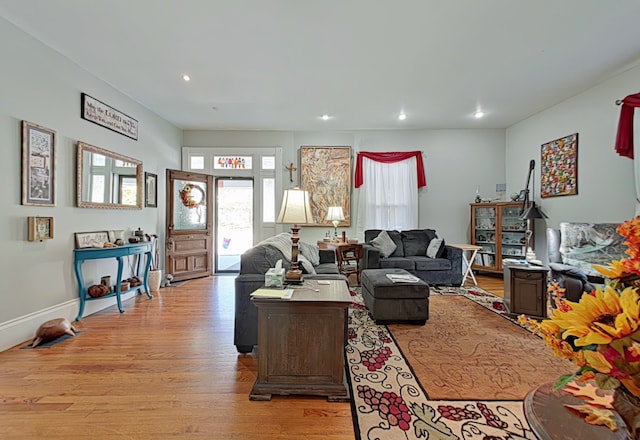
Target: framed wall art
<point x="326" y="173"/>
<point x="40" y="228"/>
<point x="559" y="167"/>
<point x="150" y="190"/>
<point x="38" y="165"/>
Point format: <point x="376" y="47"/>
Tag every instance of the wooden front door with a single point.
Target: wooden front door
<point x="189" y="225"/>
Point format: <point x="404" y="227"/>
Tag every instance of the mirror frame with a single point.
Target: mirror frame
<point x="82" y="147"/>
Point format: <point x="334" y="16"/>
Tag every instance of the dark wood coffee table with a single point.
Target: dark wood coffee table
<point x="550" y="420"/>
<point x="301" y="342"/>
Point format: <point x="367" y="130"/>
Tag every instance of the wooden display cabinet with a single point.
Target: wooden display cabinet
<point x="497" y="228"/>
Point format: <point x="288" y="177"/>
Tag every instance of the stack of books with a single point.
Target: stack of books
<point x="400" y="278"/>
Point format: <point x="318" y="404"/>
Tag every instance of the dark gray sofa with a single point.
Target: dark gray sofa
<point x="254" y="263"/>
<point x="410" y="255"/>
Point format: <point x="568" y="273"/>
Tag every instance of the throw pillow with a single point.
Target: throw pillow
<point x="436" y="248"/>
<point x="384" y="244"/>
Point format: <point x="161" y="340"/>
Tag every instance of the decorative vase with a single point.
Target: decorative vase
<point x="154" y="280"/>
<point x="628" y="406"/>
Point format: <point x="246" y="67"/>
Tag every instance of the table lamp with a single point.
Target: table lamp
<point x="295" y="210"/>
<point x="335" y="215"/>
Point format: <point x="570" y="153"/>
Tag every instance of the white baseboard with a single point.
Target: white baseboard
<point x="22" y="329"/>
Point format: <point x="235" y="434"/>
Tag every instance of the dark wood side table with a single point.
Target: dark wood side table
<point x="550" y="420"/>
<point x="301" y="342"/>
<point x="348" y="256"/>
<point x="525" y="289"/>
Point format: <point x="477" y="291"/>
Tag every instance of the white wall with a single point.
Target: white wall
<point x="456" y="162"/>
<point x="605" y="180"/>
<point x="43" y="87"/>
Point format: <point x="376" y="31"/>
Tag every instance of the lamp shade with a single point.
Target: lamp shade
<point x="335" y="213"/>
<point x="295" y="208"/>
<point x="533" y="212"/>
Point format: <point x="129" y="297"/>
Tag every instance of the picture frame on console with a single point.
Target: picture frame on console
<point x="91" y="239"/>
<point x="38" y="165"/>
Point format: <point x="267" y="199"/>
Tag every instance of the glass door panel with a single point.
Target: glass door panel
<point x="234" y="221"/>
<point x="190" y="207"/>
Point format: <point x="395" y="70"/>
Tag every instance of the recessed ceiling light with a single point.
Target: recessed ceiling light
<point x="325" y="117"/>
<point x="402" y="116"/>
<point x="186" y="77"/>
<point x="478" y="114"/>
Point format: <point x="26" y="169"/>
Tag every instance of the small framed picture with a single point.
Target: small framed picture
<point x="150" y="190"/>
<point x="91" y="239"/>
<point x="38" y="165"/>
<point x="40" y="228"/>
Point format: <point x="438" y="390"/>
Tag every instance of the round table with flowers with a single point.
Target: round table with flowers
<point x="550" y="420"/>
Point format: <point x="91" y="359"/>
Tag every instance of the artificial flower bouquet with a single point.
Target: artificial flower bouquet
<point x="601" y="332"/>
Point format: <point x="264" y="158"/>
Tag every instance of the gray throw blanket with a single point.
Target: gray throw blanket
<point x="307" y="255"/>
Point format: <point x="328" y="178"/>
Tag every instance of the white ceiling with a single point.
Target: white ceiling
<point x="280" y="64"/>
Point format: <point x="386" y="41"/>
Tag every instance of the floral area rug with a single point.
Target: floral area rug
<point x="389" y="403"/>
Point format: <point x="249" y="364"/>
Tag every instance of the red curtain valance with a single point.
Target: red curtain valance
<point x="390" y="158"/>
<point x="624" y="139"/>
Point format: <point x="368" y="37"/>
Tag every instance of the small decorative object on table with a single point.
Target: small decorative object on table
<point x="601" y="334"/>
<point x="98" y="290"/>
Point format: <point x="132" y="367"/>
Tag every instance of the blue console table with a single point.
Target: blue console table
<point x="81" y="255"/>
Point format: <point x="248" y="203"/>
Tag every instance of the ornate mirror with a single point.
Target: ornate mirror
<point x="107" y="180"/>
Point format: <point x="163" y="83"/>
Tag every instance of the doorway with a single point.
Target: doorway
<point x="233" y="221"/>
<point x="189" y="227"/>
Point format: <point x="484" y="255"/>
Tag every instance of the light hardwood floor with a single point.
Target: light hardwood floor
<point x="165" y="369"/>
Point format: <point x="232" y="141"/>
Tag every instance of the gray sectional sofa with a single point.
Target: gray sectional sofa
<point x="410" y="255"/>
<point x="254" y="263"/>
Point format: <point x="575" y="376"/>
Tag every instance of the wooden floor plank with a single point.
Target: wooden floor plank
<point x="166" y="368"/>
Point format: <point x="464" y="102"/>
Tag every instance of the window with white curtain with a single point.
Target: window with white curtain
<point x="389" y="195"/>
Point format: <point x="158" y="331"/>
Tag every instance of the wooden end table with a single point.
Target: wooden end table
<point x="550" y="420"/>
<point x="301" y="342"/>
<point x="525" y="289"/>
<point x="348" y="256"/>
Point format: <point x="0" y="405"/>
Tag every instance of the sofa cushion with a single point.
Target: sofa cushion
<point x="415" y="242"/>
<point x="426" y="263"/>
<point x="569" y="270"/>
<point x="310" y="251"/>
<point x="384" y="243"/>
<point x="407" y="264"/>
<point x="327" y="268"/>
<point x="436" y="248"/>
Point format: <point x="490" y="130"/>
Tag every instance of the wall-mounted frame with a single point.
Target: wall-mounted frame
<point x="102" y="114"/>
<point x="106" y="179"/>
<point x="150" y="190"/>
<point x="40" y="228"/>
<point x="91" y="239"/>
<point x="326" y="173"/>
<point x="38" y="165"/>
<point x="559" y="167"/>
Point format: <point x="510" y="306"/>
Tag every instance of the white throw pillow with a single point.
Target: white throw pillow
<point x="434" y="247"/>
<point x="384" y="244"/>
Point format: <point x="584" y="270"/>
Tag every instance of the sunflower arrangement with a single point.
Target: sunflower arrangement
<point x="600" y="334"/>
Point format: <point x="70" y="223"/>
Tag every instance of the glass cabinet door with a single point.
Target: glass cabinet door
<point x="513" y="228"/>
<point x="485" y="236"/>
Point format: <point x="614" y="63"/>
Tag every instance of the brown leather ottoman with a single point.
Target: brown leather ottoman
<point x="399" y="301"/>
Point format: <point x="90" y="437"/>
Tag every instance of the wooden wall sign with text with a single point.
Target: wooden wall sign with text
<point x="102" y="114"/>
